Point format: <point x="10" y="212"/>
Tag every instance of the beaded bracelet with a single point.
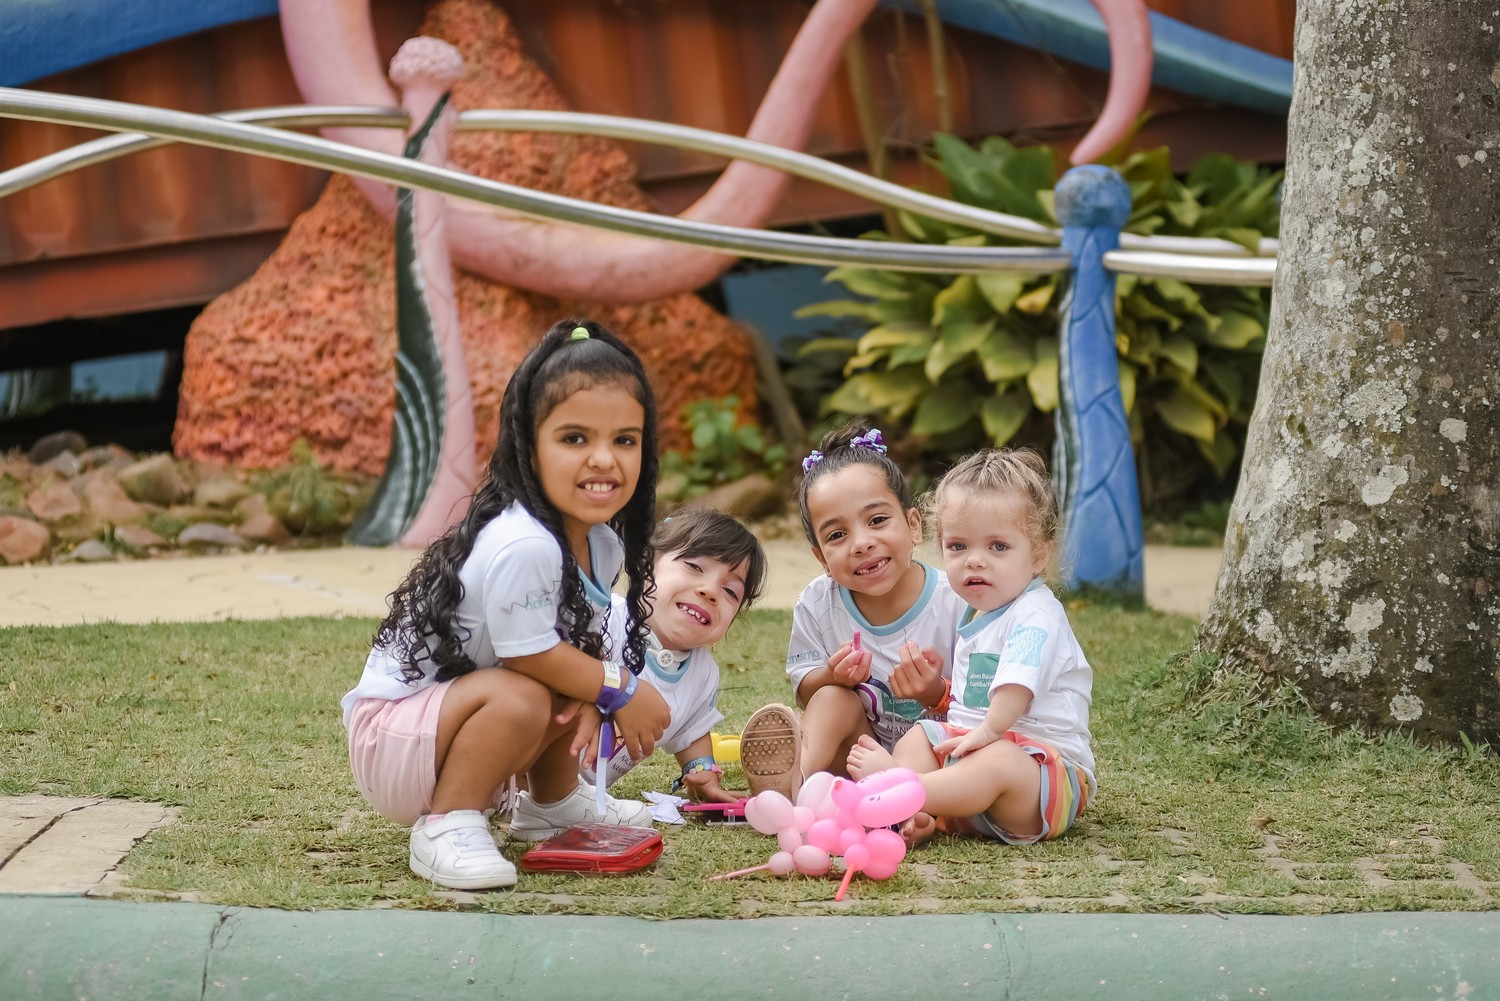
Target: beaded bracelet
<point x="706" y="763"/>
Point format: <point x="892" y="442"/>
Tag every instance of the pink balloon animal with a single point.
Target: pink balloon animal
<point x="837" y="817"/>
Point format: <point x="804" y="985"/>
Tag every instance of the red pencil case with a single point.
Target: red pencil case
<point x="595" y="848"/>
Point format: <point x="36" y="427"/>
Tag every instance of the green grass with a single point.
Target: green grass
<point x="1214" y="797"/>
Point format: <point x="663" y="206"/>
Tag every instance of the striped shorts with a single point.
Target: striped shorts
<point x="1066" y="788"/>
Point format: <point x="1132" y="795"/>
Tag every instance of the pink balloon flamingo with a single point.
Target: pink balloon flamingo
<point x="832" y="815"/>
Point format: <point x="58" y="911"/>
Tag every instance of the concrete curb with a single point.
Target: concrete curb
<point x="66" y="947"/>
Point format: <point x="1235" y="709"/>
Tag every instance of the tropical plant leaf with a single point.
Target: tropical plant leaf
<point x="1001" y="289"/>
<point x="1220" y="453"/>
<point x="1042" y="379"/>
<point x="941" y="412"/>
<point x="1234" y="330"/>
<point x="838" y="307"/>
<point x="1005" y="355"/>
<point x="877" y="284"/>
<point x="1180" y="350"/>
<point x="1185" y="413"/>
<point x="1003" y="415"/>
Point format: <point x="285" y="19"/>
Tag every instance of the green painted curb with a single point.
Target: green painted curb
<point x="69" y="947"/>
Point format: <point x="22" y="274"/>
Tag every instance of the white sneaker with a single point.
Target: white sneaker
<point x="533" y="821"/>
<point x="459" y="851"/>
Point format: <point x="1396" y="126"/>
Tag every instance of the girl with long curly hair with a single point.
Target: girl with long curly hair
<point x="492" y="663"/>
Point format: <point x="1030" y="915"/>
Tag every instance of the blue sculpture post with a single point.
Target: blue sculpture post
<point x="1094" y="464"/>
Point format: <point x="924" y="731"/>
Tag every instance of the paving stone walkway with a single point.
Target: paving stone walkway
<point x="58" y="844"/>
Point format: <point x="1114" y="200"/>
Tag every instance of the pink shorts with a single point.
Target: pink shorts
<point x="393" y="752"/>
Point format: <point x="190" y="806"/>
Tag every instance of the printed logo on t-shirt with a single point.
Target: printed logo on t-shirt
<point x="982" y="667"/>
<point x="535" y="600"/>
<point x="1025" y="647"/>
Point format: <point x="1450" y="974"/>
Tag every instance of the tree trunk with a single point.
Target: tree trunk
<point x="1362" y="551"/>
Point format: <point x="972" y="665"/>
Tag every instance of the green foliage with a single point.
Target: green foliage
<point x="308" y="499"/>
<point x="965" y="361"/>
<point x="725" y="449"/>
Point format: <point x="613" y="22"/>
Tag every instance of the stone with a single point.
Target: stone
<point x="222" y="492"/>
<point x="54" y="444"/>
<point x="112" y="457"/>
<point x="152" y="479"/>
<point x="53" y="502"/>
<point x="138" y="537"/>
<point x="104" y="496"/>
<point x="22" y="540"/>
<point x="210" y="534"/>
<point x="192" y="514"/>
<point x="65" y="464"/>
<point x="264" y="527"/>
<point x="86" y="525"/>
<point x="753" y="496"/>
<point x="305" y="348"/>
<point x="252" y="505"/>
<point x="90" y="551"/>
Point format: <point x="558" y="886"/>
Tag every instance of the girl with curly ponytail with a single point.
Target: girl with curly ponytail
<point x="492" y="663"/>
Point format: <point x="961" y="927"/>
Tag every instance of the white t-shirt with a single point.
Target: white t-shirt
<point x="1027" y="643"/>
<point x="512" y="582"/>
<point x="825" y="619"/>
<point x="688" y="681"/>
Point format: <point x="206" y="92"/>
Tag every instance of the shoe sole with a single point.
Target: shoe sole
<point x="471" y="883"/>
<point x="771" y="751"/>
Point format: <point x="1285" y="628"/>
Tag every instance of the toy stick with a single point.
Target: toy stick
<point x="738" y="872"/>
<point x="854" y="645"/>
<point x="848" y="875"/>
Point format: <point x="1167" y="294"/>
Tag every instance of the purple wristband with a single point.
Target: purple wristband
<point x="613" y="699"/>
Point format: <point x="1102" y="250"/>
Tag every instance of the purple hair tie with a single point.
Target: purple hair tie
<point x="812" y="460"/>
<point x="871" y="439"/>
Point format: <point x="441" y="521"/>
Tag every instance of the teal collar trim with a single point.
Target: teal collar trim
<point x="973" y="620"/>
<point x="928" y="587"/>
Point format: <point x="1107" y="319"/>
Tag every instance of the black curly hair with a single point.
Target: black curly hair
<point x="420" y="626"/>
<point x="837" y="453"/>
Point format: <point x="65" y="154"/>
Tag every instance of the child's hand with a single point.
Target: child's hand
<point x="918" y="675"/>
<point x="586" y="737"/>
<point x="640" y="722"/>
<point x="848" y="666"/>
<point x="957" y="747"/>
<point x="704" y="787"/>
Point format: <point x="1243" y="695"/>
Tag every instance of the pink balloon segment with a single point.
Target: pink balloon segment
<point x="845" y="810"/>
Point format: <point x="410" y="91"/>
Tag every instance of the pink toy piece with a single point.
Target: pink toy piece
<point x="814" y="795"/>
<point x="769" y="812"/>
<point x="854" y="643"/>
<point x="891" y="806"/>
<point x="844" y="793"/>
<point x="881" y="870"/>
<point x="789" y="838"/>
<point x="812" y="860"/>
<point x="856" y="857"/>
<point x="886" y="847"/>
<point x="824" y="834"/>
<point x="849" y="837"/>
<point x="782" y="863"/>
<point x="802" y="818"/>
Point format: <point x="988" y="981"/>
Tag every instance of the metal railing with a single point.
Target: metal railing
<point x="141" y="128"/>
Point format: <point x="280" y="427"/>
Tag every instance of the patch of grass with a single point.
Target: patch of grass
<point x="1216" y="795"/>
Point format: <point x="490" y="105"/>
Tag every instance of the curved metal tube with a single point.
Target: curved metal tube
<point x="233" y="132"/>
<point x="106" y="148"/>
<point x="1256" y="271"/>
<point x="632" y="130"/>
<point x="204" y="130"/>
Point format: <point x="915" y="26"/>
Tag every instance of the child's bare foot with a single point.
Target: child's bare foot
<point x="866" y="757"/>
<point x="918" y="829"/>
